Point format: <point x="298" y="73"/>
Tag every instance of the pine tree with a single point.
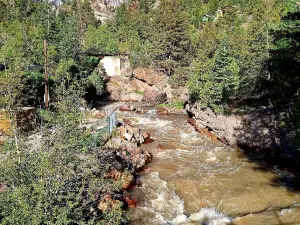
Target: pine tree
<point x="171" y="39"/>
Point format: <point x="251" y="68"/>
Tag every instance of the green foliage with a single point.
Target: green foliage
<point x="139" y="92"/>
<point x="60" y="181"/>
<point x="134" y="33"/>
<point x="67" y="38"/>
<point x="176" y="105"/>
<point x="100" y="40"/>
<point x="57" y="183"/>
<point x="97" y="81"/>
<point x="171" y="38"/>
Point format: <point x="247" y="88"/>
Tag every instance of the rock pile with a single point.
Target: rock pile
<point x="126" y="159"/>
<point x="131" y="137"/>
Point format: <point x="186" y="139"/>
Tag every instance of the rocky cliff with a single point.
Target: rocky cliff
<point x="258" y="130"/>
<point x="145" y="85"/>
<point x="105" y="9"/>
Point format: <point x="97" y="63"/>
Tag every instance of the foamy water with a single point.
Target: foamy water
<point x="193" y="180"/>
<point x="166" y="207"/>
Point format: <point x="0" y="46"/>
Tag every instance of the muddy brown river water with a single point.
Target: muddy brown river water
<point x="193" y="180"/>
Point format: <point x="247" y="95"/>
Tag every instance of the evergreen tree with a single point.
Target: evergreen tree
<point x="171" y="39"/>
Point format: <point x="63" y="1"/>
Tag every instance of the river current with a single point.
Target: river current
<point x="194" y="180"/>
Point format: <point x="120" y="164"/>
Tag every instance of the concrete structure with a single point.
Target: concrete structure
<point x="116" y="65"/>
<point x="112" y="65"/>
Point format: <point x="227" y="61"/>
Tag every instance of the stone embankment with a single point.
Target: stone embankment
<point x="259" y="130"/>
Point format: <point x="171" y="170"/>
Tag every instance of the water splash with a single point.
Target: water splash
<point x="210" y="216"/>
<point x="162" y="204"/>
<point x="206" y="216"/>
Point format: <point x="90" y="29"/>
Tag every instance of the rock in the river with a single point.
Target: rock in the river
<point x="129" y="137"/>
<point x="146" y="135"/>
<point x="132" y="134"/>
<point x="135" y="155"/>
<point x="140" y="110"/>
<point x="141" y="139"/>
<point x="131" y="201"/>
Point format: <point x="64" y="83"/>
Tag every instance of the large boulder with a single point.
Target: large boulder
<point x="139" y="86"/>
<point x="135" y="155"/>
<point x="124" y="89"/>
<point x="181" y="94"/>
<point x="151" y="77"/>
<point x="114" y="90"/>
<point x="153" y="98"/>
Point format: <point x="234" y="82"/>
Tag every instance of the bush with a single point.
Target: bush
<point x="58" y="183"/>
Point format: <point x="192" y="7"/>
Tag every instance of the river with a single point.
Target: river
<point x="194" y="180"/>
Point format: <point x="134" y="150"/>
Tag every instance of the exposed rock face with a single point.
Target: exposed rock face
<point x="139" y="85"/>
<point x="148" y="85"/>
<point x="181" y="93"/>
<point x="153" y="98"/>
<point x="151" y="77"/>
<point x="105" y="9"/>
<point x="124" y="89"/>
<point x="258" y="130"/>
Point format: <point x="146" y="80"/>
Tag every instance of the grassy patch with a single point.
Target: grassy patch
<point x="139" y="92"/>
<point x="176" y="105"/>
